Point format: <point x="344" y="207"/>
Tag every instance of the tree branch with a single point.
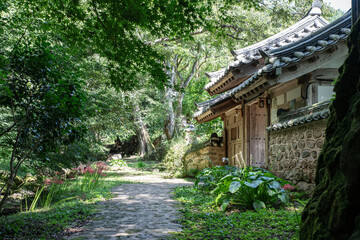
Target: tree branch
<point x="97" y="14"/>
<point x="162" y="40"/>
<point x="192" y="73"/>
<point x="8" y="130"/>
<point x="232" y="36"/>
<point x="21" y="37"/>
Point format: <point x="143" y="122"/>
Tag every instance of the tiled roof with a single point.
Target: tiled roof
<point x="303" y="115"/>
<point x="248" y="55"/>
<point x="300" y="120"/>
<point x="205" y="106"/>
<point x="292" y="53"/>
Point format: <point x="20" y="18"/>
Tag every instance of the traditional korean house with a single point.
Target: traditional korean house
<point x="274" y="98"/>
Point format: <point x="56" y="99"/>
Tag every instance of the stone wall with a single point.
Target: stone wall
<point x="203" y="158"/>
<point x="293" y="152"/>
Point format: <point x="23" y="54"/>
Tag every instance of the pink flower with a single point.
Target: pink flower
<point x="288" y="187"/>
<point x="47" y="181"/>
<point x="101" y="166"/>
<point x="89" y="169"/>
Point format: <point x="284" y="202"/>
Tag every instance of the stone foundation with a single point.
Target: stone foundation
<point x="203" y="158"/>
<point x="293" y="152"/>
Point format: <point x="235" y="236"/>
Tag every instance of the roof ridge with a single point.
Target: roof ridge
<point x="250" y="53"/>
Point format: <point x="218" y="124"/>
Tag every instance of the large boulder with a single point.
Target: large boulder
<point x="334" y="210"/>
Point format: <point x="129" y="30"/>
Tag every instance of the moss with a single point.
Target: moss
<point x="334" y="210"/>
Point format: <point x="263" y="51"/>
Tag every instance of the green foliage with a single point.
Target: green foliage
<point x="208" y="178"/>
<point x="251" y="187"/>
<point x="140" y="165"/>
<point x="174" y="157"/>
<point x="122" y="31"/>
<point x="81" y="151"/>
<point x="44" y="224"/>
<point x="201" y="220"/>
<point x="91" y="177"/>
<point x="117" y="163"/>
<point x="41" y="102"/>
<point x="70" y="206"/>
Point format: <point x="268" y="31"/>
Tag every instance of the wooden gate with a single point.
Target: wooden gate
<point x="256" y="134"/>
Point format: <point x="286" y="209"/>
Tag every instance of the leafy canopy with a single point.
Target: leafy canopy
<point x="115" y="29"/>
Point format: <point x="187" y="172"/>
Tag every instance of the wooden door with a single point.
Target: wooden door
<point x="256" y="135"/>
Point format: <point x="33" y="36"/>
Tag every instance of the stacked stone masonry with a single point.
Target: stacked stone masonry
<point x="203" y="158"/>
<point x="293" y="152"/>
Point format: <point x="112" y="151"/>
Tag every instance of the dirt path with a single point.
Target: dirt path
<point x="140" y="210"/>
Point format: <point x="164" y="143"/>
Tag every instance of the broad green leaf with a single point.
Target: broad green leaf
<point x="224" y="205"/>
<point x="258" y="205"/>
<point x="218" y="198"/>
<point x="234" y="186"/>
<point x="284" y="197"/>
<point x="271" y="192"/>
<point x="267" y="178"/>
<point x="274" y="185"/>
<point x="253" y="184"/>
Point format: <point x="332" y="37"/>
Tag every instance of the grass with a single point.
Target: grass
<point x="202" y="220"/>
<point x="143" y="165"/>
<point x="52" y="223"/>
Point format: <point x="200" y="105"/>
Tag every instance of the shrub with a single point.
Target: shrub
<point x="251" y="187"/>
<point x="140" y="165"/>
<point x="209" y="177"/>
<point x="174" y="157"/>
<point x="117" y="163"/>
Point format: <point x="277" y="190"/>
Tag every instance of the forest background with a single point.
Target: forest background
<point x="76" y="75"/>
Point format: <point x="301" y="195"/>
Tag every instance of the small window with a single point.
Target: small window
<point x="319" y="92"/>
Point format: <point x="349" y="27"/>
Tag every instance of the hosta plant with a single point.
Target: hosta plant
<point x="208" y="178"/>
<point x="252" y="187"/>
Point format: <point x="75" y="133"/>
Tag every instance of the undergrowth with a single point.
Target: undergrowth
<point x="201" y="219"/>
<point x="51" y="223"/>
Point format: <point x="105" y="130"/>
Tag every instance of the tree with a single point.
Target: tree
<point x="41" y="103"/>
<point x="334" y="211"/>
<point x="115" y="29"/>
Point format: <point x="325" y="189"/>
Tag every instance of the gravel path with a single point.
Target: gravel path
<point x="139" y="210"/>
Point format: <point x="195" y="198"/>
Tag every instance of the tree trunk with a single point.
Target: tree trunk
<point x="169" y="127"/>
<point x="145" y="144"/>
<point x="334" y="210"/>
<point x="179" y="108"/>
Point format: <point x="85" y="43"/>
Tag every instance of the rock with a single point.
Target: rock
<point x="288" y="147"/>
<point x="319" y="143"/>
<point x="310" y="144"/>
<point x="18" y="181"/>
<point x="314" y="154"/>
<point x="301" y="135"/>
<point x="305" y="186"/>
<point x="309" y="134"/>
<point x="305" y="153"/>
<point x="317" y="133"/>
<point x="301" y="144"/>
<point x="282" y="148"/>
